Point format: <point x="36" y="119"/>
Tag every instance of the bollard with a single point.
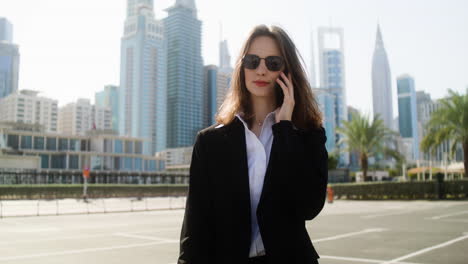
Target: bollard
<point x="104" y="205"/>
<point x="329" y="194"/>
<point x="1" y="210"/>
<point x="146" y="203"/>
<point x="38" y="207"/>
<point x="56" y="207"/>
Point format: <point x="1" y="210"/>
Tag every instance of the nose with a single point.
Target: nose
<point x="261" y="69"/>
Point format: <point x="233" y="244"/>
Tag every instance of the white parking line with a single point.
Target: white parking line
<point x="360" y="260"/>
<point x="422" y="251"/>
<point x="448" y="215"/>
<point x="146" y="237"/>
<point x="369" y="230"/>
<point x="79" y="251"/>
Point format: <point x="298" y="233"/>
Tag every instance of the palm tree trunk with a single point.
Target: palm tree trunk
<point x="364" y="165"/>
<point x="465" y="157"/>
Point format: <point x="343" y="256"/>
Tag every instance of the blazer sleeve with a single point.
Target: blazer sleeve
<point x="302" y="157"/>
<point x="195" y="238"/>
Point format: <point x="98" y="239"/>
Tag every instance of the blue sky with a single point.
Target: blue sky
<point x="70" y="49"/>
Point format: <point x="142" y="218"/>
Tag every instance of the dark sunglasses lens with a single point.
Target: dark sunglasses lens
<point x="274" y="63"/>
<point x="251" y="61"/>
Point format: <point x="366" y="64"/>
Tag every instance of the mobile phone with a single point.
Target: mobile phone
<point x="279" y="91"/>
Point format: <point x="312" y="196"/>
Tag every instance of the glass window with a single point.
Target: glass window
<point x="75" y="144"/>
<point x="73" y="162"/>
<point x="84" y="146"/>
<point x="44" y="161"/>
<point x="128" y="163"/>
<point x="96" y="162"/>
<point x="138" y="147"/>
<point x="58" y="161"/>
<point x="107" y="145"/>
<point x="128" y="147"/>
<point x="118" y="146"/>
<point x="63" y="143"/>
<point x="116" y="163"/>
<point x="26" y="142"/>
<point x="13" y="141"/>
<point x="51" y="143"/>
<point x="138" y="165"/>
<point x="39" y="143"/>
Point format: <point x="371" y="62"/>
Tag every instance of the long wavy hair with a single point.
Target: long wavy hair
<point x="306" y="113"/>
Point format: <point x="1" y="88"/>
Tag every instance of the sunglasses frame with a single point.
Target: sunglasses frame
<point x="267" y="64"/>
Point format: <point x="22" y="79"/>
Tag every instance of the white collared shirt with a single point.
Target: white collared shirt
<point x="258" y="155"/>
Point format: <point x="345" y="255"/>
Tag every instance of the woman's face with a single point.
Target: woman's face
<point x="260" y="82"/>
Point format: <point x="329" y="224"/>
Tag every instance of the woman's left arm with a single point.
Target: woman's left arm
<point x="300" y="152"/>
<point x="301" y="157"/>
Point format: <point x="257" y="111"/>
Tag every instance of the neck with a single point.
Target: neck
<point x="261" y="107"/>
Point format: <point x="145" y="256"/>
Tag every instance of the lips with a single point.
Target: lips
<point x="261" y="83"/>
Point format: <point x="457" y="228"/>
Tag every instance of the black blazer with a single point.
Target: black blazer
<point x="217" y="226"/>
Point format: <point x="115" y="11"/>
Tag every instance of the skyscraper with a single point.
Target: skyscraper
<point x="332" y="79"/>
<point x="6" y="30"/>
<point x="109" y="98"/>
<point x="142" y="90"/>
<point x="184" y="74"/>
<point x="407" y="112"/>
<point x="224" y="76"/>
<point x="9" y="59"/>
<point x="381" y="83"/>
<point x="209" y="94"/>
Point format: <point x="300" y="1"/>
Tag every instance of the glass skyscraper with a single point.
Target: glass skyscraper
<point x="9" y="60"/>
<point x="407" y="112"/>
<point x="332" y="80"/>
<point x="109" y="98"/>
<point x="210" y="94"/>
<point x="381" y="83"/>
<point x="184" y="74"/>
<point x="142" y="90"/>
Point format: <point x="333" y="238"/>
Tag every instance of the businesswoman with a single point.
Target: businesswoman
<point x="259" y="173"/>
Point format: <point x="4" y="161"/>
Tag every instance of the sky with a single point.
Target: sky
<point x="70" y="49"/>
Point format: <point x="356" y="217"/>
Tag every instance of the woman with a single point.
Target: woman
<point x="261" y="172"/>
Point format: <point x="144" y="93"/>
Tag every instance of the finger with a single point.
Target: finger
<point x="283" y="87"/>
<point x="292" y="86"/>
<point x="286" y="79"/>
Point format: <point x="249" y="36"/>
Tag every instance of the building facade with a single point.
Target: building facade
<point x="142" y="90"/>
<point x="80" y="117"/>
<point x="332" y="79"/>
<point x="184" y="74"/>
<point x="382" y="83"/>
<point x="109" y="98"/>
<point x="26" y="107"/>
<point x="209" y="94"/>
<point x="407" y="112"/>
<point x="9" y="59"/>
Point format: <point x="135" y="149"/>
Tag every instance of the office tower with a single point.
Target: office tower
<point x="109" y="98"/>
<point x="80" y="117"/>
<point x="224" y="76"/>
<point x="209" y="94"/>
<point x="313" y="76"/>
<point x="26" y="107"/>
<point x="184" y="74"/>
<point x="381" y="83"/>
<point x="9" y="59"/>
<point x="407" y="112"/>
<point x="142" y="90"/>
<point x="332" y="79"/>
<point x="6" y="30"/>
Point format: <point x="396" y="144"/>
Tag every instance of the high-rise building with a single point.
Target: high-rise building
<point x="26" y="107"/>
<point x="6" y="30"/>
<point x="381" y="83"/>
<point x="209" y="94"/>
<point x="142" y="90"/>
<point x="80" y="117"/>
<point x="109" y="98"/>
<point x="407" y="112"/>
<point x="9" y="59"/>
<point x="224" y="76"/>
<point x="332" y="79"/>
<point x="184" y="74"/>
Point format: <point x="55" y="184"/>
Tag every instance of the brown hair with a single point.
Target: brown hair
<point x="306" y="112"/>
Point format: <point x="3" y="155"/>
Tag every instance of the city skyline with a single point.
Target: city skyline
<point x="59" y="50"/>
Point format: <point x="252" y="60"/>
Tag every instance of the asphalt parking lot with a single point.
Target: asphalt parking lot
<point x="345" y="232"/>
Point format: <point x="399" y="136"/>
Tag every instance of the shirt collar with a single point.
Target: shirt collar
<point x="270" y="116"/>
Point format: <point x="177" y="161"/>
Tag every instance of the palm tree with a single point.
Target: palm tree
<point x="368" y="138"/>
<point x="449" y="122"/>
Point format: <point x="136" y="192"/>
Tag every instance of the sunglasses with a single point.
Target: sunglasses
<point x="273" y="63"/>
